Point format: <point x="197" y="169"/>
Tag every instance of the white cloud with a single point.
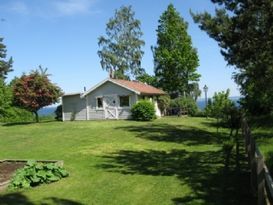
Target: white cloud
<point x="72" y="7"/>
<point x="51" y="8"/>
<point x="18" y="7"/>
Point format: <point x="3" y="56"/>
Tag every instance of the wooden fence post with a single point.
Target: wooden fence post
<point x="260" y="180"/>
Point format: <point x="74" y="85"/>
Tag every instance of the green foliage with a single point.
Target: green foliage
<point x="9" y="112"/>
<point x="59" y="113"/>
<point x="195" y="92"/>
<point x="164" y="103"/>
<point x="174" y="57"/>
<point x="186" y="104"/>
<point x="244" y="30"/>
<point x="36" y="173"/>
<point x="219" y="105"/>
<point x="34" y="91"/>
<point x="228" y="146"/>
<point x="17" y="114"/>
<point x="5" y="98"/>
<point x="143" y="111"/>
<point x="5" y="65"/>
<point x="121" y="48"/>
<point x="149" y="79"/>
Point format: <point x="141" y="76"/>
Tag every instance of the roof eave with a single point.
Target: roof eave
<point x="152" y="93"/>
<point x="71" y="94"/>
<point x="104" y="81"/>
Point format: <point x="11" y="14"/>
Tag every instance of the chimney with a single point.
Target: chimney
<point x="84" y="88"/>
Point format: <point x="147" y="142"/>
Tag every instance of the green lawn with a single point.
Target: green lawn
<point x="262" y="130"/>
<point x="167" y="161"/>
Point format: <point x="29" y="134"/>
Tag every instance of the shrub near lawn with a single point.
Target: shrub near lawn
<point x="186" y="104"/>
<point x="144" y="110"/>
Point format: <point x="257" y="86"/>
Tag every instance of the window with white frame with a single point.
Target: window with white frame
<point x="124" y="101"/>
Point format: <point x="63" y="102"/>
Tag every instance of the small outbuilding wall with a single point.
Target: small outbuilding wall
<point x="110" y="99"/>
<point x="109" y="89"/>
<point x="74" y="107"/>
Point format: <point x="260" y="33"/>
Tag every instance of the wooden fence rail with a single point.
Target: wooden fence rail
<point x="261" y="181"/>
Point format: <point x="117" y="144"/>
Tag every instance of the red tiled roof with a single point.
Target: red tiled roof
<point x="139" y="87"/>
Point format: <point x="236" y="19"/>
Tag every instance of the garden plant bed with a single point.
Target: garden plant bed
<point x="8" y="168"/>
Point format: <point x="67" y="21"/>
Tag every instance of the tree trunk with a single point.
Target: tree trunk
<point x="36" y="116"/>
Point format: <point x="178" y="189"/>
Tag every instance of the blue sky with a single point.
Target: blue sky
<point x="62" y="35"/>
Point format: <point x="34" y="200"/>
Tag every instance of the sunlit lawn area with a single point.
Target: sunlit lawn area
<point x="262" y="130"/>
<point x="167" y="161"/>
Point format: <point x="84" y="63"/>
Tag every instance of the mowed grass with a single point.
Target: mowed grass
<point x="167" y="161"/>
<point x="262" y="130"/>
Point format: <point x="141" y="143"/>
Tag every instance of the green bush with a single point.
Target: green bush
<point x="185" y="103"/>
<point x="144" y="110"/>
<point x="164" y="103"/>
<point x="200" y="113"/>
<point x="35" y="173"/>
<point x="59" y="113"/>
<point x="16" y="114"/>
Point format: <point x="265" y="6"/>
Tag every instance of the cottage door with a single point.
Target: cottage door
<point x="111" y="106"/>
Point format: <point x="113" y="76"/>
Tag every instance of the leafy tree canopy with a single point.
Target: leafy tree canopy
<point x="219" y="105"/>
<point x="244" y="31"/>
<point x="174" y="57"/>
<point x="35" y="90"/>
<point x="195" y="91"/>
<point x="121" y="47"/>
<point x="149" y="79"/>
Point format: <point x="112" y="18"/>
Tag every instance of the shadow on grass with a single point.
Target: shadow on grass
<point x="20" y="199"/>
<point x="27" y="123"/>
<point x="173" y="133"/>
<point x="202" y="171"/>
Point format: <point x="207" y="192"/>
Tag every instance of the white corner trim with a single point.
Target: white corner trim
<point x="63" y="109"/>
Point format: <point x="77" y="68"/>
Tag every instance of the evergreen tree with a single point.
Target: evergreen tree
<point x="5" y="65"/>
<point x="174" y="57"/>
<point x="244" y="31"/>
<point x="5" y="98"/>
<point x="121" y="47"/>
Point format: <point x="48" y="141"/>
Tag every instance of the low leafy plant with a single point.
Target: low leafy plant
<point x="36" y="173"/>
<point x="144" y="110"/>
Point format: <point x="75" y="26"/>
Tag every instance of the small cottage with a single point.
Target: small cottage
<point x="110" y="99"/>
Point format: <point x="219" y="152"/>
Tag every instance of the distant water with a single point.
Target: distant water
<point x="47" y="111"/>
<point x="201" y="103"/>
